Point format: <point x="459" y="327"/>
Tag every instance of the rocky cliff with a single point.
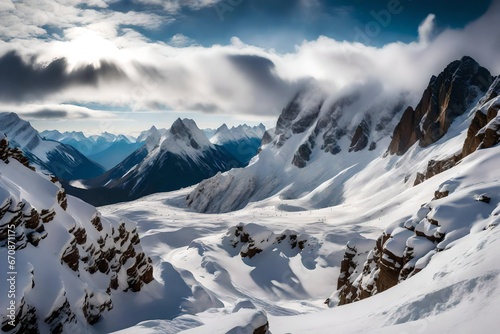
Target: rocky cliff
<point x="405" y="247"/>
<point x="447" y="96"/>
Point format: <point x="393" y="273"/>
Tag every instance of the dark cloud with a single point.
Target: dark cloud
<point x="208" y="108"/>
<point x="256" y="68"/>
<point x="27" y="80"/>
<point x="47" y="113"/>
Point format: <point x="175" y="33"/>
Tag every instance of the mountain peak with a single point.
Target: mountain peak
<point x="188" y="132"/>
<point x="448" y="96"/>
<point x="222" y="128"/>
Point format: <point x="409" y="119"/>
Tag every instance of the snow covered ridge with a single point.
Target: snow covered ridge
<point x="68" y="262"/>
<point x="61" y="160"/>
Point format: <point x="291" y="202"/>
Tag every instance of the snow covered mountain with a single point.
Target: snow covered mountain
<point x="321" y="142"/>
<point x="64" y="161"/>
<point x="67" y="264"/>
<point x="169" y="160"/>
<point x="242" y="142"/>
<point x="106" y="149"/>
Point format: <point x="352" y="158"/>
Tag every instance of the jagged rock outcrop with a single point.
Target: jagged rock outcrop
<point x="252" y="239"/>
<point x="435" y="167"/>
<point x="484" y="128"/>
<point x="406" y="247"/>
<point x="70" y="242"/>
<point x="7" y="152"/>
<point x="356" y="252"/>
<point x="361" y="135"/>
<point x="268" y="137"/>
<point x="448" y="96"/>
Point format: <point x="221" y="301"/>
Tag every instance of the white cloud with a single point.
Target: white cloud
<point x="426" y="29"/>
<point x="180" y="40"/>
<point x="173" y="6"/>
<point x="6" y="5"/>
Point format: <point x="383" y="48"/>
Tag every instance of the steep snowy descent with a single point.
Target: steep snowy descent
<point x="70" y="261"/>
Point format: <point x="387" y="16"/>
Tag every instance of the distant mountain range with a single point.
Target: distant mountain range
<point x="169" y="160"/>
<point x="106" y="149"/>
<point x="242" y="141"/>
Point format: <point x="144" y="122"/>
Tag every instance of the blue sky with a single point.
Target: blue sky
<point x="283" y="24"/>
<point x="122" y="66"/>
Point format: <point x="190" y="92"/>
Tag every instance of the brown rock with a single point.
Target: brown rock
<point x="435" y="167"/>
<point x="360" y="138"/>
<point x="71" y="256"/>
<point x="447" y="96"/>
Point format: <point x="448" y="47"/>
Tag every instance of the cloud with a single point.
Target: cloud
<point x="426" y="29"/>
<point x="27" y="80"/>
<point x="173" y="6"/>
<point x="257" y="69"/>
<point x="180" y="40"/>
<point x="47" y="114"/>
<point x="36" y="18"/>
<point x="53" y="112"/>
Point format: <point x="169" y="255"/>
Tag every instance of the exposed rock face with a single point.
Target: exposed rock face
<point x="7" y="152"/>
<point x="435" y="167"/>
<point x="405" y="247"/>
<point x="326" y="125"/>
<point x="268" y="137"/>
<point x="181" y="132"/>
<point x="295" y="118"/>
<point x="361" y="135"/>
<point x="389" y="262"/>
<point x="86" y="243"/>
<point x="253" y="239"/>
<point x="483" y="130"/>
<point x="355" y="254"/>
<point x="448" y="96"/>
